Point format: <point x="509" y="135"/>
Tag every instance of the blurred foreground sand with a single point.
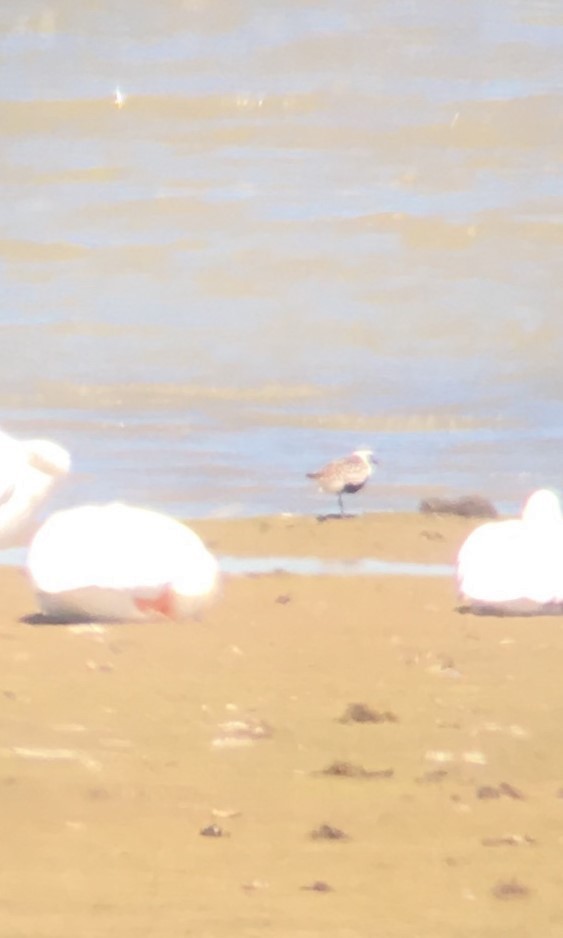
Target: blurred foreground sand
<point x="121" y="744"/>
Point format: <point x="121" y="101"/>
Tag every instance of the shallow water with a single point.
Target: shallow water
<point x="309" y="227"/>
<point x="303" y="566"/>
<point x="317" y="566"/>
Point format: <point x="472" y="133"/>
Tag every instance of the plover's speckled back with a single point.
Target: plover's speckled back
<point x="346" y="475"/>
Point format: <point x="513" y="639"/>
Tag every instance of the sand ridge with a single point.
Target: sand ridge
<point x="383" y="535"/>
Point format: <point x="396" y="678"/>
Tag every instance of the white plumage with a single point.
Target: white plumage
<point x="116" y="561"/>
<point x="29" y="470"/>
<point x="515" y="566"/>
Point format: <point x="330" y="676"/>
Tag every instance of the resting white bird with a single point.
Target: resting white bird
<point x="515" y="566"/>
<point x="119" y="562"/>
<point x="29" y="470"/>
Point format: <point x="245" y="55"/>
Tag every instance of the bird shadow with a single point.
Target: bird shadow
<point x="39" y="619"/>
<point x="334" y="516"/>
<point x="550" y="609"/>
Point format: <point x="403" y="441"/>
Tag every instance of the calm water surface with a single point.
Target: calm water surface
<point x="312" y="226"/>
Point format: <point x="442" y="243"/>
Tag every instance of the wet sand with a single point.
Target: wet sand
<point x="121" y="745"/>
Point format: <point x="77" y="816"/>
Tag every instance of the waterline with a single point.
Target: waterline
<point x="300" y="566"/>
<point x="320" y="566"/>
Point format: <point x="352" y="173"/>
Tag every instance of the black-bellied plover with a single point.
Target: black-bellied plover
<point x="346" y="475"/>
<point x="29" y="470"/>
<point x="515" y="566"/>
<point x="119" y="562"/>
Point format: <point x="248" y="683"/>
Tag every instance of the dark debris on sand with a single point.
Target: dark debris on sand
<point x="499" y="791"/>
<point x="510" y="889"/>
<point x="362" y="713"/>
<point x="318" y="885"/>
<point x="213" y="830"/>
<point x="328" y="832"/>
<point x="432" y="535"/>
<point x="432" y="776"/>
<point x="342" y="769"/>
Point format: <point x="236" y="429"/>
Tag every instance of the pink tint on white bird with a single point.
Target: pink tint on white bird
<point x="120" y="562"/>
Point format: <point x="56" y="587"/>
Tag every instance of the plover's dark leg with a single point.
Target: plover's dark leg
<point x="341" y="505"/>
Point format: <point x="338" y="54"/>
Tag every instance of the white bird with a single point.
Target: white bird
<point x="515" y="566"/>
<point x="346" y="475"/>
<point x="118" y="562"/>
<point x="29" y="470"/>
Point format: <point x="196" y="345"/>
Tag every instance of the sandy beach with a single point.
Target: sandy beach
<point x="240" y="241"/>
<point x="215" y="778"/>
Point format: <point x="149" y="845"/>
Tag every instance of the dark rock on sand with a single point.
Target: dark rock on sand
<point x="328" y="832"/>
<point x="510" y="889"/>
<point x="213" y="830"/>
<point x="318" y="886"/>
<point x="503" y="790"/>
<point x="361" y="713"/>
<point x="349" y="770"/>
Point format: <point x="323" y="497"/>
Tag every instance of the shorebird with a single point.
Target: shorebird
<point x="118" y="562"/>
<point x="346" y="475"/>
<point x="29" y="469"/>
<point x="515" y="566"/>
